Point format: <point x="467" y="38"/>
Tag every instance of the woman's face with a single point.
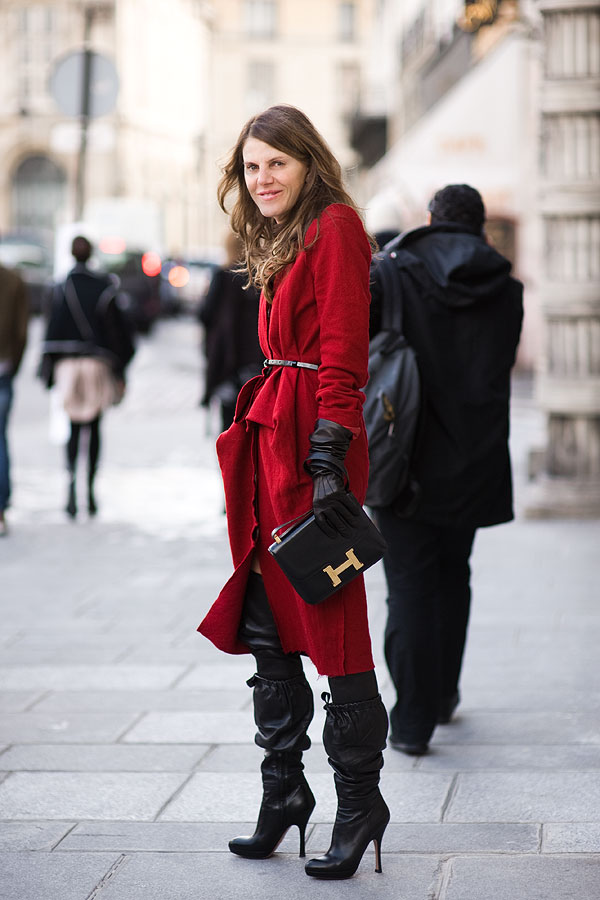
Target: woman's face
<point x="274" y="179"/>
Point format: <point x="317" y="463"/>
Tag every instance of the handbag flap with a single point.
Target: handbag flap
<point x="318" y="565"/>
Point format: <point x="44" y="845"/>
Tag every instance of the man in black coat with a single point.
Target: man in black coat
<point x="462" y="314"/>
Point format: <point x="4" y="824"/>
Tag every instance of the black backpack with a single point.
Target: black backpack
<point x="393" y="401"/>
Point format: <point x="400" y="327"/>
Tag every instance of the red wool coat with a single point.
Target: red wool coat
<point x="320" y="314"/>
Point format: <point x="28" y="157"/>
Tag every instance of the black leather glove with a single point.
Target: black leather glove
<point x="334" y="507"/>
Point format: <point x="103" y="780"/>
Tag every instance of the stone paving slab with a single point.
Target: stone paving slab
<point x="102" y="758"/>
<point x="569" y="837"/>
<point x="166" y="655"/>
<point x="83" y="678"/>
<point x="523" y="878"/>
<point x="469" y="757"/>
<point x="521" y="728"/>
<point x="228" y="674"/>
<point x="193" y="728"/>
<point x="142" y="701"/>
<point x="33" y="620"/>
<point x="208" y="876"/>
<point x="32" y="835"/>
<point x="92" y="795"/>
<point x="235" y="797"/>
<point x="521" y="698"/>
<point x="74" y="656"/>
<point x="166" y="837"/>
<point x="555" y="674"/>
<point x="17" y="701"/>
<point x="526" y="797"/>
<point x="60" y="728"/>
<point x="488" y="837"/>
<point x="53" y="876"/>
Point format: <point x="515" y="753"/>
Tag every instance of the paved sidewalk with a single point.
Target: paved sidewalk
<point x="126" y="741"/>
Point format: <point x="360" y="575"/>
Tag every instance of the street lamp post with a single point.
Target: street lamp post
<point x="84" y="115"/>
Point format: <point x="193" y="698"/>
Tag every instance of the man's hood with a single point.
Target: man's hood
<point x="465" y="267"/>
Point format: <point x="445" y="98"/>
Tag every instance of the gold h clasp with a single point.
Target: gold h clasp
<point x="351" y="560"/>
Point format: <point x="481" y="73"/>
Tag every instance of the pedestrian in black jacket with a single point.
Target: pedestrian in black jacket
<point x="86" y="350"/>
<point x="230" y="316"/>
<point x="462" y="314"/>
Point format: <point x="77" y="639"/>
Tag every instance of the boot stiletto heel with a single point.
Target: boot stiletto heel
<point x="377" y="846"/>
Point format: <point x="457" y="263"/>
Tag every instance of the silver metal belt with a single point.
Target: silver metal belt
<point x="293" y="363"/>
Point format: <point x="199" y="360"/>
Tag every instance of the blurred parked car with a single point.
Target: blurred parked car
<point x="184" y="284"/>
<point x="139" y="282"/>
<point x="33" y="261"/>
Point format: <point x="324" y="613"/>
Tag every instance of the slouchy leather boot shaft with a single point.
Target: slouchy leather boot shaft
<point x="283" y="710"/>
<point x="354" y="738"/>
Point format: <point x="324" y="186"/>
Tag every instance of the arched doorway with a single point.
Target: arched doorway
<point x="38" y="193"/>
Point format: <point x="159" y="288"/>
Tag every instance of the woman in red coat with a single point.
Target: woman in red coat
<point x="297" y="440"/>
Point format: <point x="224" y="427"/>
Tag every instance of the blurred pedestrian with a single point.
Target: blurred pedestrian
<point x="461" y="313"/>
<point x="14" y="316"/>
<point x="229" y="314"/>
<point x="298" y="439"/>
<point x="87" y="348"/>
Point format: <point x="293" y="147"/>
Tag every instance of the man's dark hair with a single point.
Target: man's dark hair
<point x="458" y="203"/>
<point x="81" y="249"/>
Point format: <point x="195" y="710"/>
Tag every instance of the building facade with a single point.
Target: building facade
<point x="190" y="73"/>
<point x="148" y="146"/>
<point x="568" y="381"/>
<point x="457" y="89"/>
<point x="311" y="54"/>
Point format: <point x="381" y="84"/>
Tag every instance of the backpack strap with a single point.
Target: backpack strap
<point x="391" y="282"/>
<point x="79" y="317"/>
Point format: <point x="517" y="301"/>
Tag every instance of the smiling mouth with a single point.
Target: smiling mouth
<point x="268" y="195"/>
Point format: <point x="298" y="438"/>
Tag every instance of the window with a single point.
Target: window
<point x="38" y="39"/>
<point x="347" y="22"/>
<point x="260" y="18"/>
<point x="38" y="193"/>
<point x="260" y="86"/>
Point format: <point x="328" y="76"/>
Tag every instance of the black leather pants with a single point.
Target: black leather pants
<point x="259" y="632"/>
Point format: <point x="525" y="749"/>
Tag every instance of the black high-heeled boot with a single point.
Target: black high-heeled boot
<point x="354" y="738"/>
<point x="71" y="507"/>
<point x="283" y="711"/>
<point x="287" y="800"/>
<point x="91" y="497"/>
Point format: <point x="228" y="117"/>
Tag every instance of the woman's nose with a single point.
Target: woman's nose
<point x="264" y="175"/>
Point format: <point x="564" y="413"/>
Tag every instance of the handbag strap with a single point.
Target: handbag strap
<point x="293" y="521"/>
<point x="74" y="303"/>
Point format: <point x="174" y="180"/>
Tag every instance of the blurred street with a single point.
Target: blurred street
<point x="126" y="740"/>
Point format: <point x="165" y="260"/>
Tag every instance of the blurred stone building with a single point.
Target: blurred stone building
<point x="452" y="94"/>
<point x="505" y="95"/>
<point x="148" y="147"/>
<point x="190" y="73"/>
<point x="310" y="53"/>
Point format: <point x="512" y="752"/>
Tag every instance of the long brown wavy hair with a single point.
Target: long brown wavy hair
<point x="271" y="247"/>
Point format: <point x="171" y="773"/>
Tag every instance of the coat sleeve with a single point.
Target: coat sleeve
<point x="20" y="323"/>
<point x="376" y="300"/>
<point x="339" y="262"/>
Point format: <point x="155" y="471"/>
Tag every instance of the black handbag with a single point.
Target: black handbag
<point x="317" y="565"/>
